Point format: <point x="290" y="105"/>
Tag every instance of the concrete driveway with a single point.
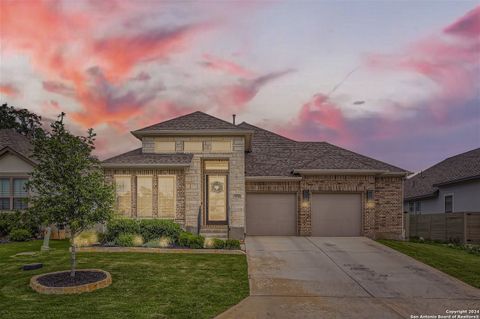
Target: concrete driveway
<point x="320" y="277"/>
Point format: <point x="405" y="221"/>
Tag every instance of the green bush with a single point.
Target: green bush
<point x="232" y="244"/>
<point x="125" y="240"/>
<point x="149" y="229"/>
<point x="116" y="227"/>
<point x="20" y="235"/>
<point x="218" y="243"/>
<point x="190" y="240"/>
<point x="155" y="228"/>
<point x="18" y="220"/>
<point x="163" y="242"/>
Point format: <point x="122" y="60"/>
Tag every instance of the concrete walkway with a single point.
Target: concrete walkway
<point x="314" y="277"/>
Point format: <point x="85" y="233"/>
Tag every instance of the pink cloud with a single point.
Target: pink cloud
<point x="467" y="26"/>
<point x="9" y="89"/>
<point x="233" y="98"/>
<point x="218" y="64"/>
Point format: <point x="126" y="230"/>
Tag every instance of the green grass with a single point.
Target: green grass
<point x="144" y="285"/>
<point x="455" y="262"/>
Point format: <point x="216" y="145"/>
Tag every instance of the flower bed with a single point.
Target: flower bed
<point x="60" y="282"/>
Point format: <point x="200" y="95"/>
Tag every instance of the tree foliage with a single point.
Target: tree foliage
<point x="68" y="182"/>
<point x="22" y="120"/>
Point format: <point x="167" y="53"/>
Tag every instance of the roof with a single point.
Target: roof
<point x="11" y="140"/>
<point x="196" y="121"/>
<point x="276" y="155"/>
<point x="137" y="158"/>
<point x="461" y="167"/>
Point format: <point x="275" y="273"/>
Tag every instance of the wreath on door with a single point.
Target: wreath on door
<point x="217" y="187"/>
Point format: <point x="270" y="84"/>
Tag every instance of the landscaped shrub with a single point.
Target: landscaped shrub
<point x="218" y="243"/>
<point x="137" y="240"/>
<point x="190" y="240"/>
<point x="20" y="220"/>
<point x="232" y="244"/>
<point x="86" y="238"/>
<point x="20" y="235"/>
<point x="163" y="242"/>
<point x="125" y="240"/>
<point x="120" y="226"/>
<point x="155" y="228"/>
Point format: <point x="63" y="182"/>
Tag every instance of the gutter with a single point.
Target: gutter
<point x="272" y="178"/>
<point x="465" y="179"/>
<point x="349" y="172"/>
<point x="426" y="196"/>
<point x="115" y="165"/>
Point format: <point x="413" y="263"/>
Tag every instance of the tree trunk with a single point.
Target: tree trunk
<point x="73" y="256"/>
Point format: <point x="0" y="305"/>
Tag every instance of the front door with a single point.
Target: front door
<point x="216" y="186"/>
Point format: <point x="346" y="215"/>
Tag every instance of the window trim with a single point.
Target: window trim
<point x="174" y="196"/>
<point x="11" y="197"/>
<point x="444" y="204"/>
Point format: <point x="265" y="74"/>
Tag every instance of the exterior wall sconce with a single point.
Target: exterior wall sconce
<point x="370" y="199"/>
<point x="305" y="198"/>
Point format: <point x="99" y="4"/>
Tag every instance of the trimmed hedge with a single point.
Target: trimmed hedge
<point x="189" y="240"/>
<point x="20" y="235"/>
<point x="149" y="229"/>
<point x="218" y="243"/>
<point x="18" y="220"/>
<point x="232" y="244"/>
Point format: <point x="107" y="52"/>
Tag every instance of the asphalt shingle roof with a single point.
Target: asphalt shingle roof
<point x="456" y="168"/>
<point x="17" y="142"/>
<point x="275" y="155"/>
<point x="193" y="121"/>
<point x="137" y="157"/>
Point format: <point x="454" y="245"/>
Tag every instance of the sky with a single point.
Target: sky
<point x="398" y="81"/>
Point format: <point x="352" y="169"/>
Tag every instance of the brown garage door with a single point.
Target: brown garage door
<point x="336" y="215"/>
<point x="271" y="214"/>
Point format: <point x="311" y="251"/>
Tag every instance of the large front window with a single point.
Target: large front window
<point x="144" y="196"/>
<point x="123" y="190"/>
<point x="13" y="193"/>
<point x="166" y="196"/>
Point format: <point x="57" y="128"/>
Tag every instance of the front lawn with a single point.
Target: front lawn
<point x="455" y="262"/>
<point x="144" y="285"/>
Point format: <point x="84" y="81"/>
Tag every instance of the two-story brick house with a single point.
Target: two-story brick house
<point x="236" y="180"/>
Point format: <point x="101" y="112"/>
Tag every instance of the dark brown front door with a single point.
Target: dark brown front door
<point x="216" y="198"/>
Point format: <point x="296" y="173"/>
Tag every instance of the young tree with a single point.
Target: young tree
<point x="68" y="182"/>
<point x="22" y="120"/>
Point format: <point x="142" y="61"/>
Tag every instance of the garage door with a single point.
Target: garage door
<point x="271" y="214"/>
<point x="336" y="215"/>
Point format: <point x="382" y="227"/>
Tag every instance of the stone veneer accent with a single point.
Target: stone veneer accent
<point x="35" y="285"/>
<point x="383" y="220"/>
<point x="180" y="180"/>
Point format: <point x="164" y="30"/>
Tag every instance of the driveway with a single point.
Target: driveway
<point x="343" y="277"/>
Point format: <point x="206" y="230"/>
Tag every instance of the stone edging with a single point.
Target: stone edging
<point x="70" y="290"/>
<point x="158" y="250"/>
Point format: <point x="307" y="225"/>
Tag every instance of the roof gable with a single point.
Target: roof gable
<point x="193" y="121"/>
<point x="12" y="141"/>
<point x="460" y="167"/>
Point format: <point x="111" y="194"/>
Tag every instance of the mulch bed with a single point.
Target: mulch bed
<point x="63" y="279"/>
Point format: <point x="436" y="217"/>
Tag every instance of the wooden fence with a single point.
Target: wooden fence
<point x="458" y="227"/>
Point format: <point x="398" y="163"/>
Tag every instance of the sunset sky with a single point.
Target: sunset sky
<point x="397" y="81"/>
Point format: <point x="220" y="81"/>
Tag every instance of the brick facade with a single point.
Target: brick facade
<point x="383" y="219"/>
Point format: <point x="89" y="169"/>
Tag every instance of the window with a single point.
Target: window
<point x="448" y="203"/>
<point x="221" y="147"/>
<point x="123" y="191"/>
<point x="13" y="193"/>
<point x="167" y="196"/>
<point x="418" y="207"/>
<point x="144" y="196"/>
<point x="193" y="147"/>
<point x="216" y="165"/>
<point x="164" y="146"/>
<point x="411" y="208"/>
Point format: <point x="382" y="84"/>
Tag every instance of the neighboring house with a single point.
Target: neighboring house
<point x="236" y="180"/>
<point x="452" y="185"/>
<point x="16" y="164"/>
